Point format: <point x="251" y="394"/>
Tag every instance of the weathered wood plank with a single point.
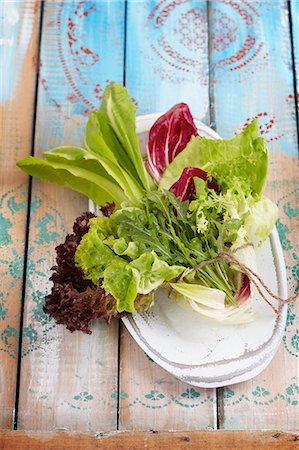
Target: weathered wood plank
<point x="295" y="28"/>
<point x="294" y="10"/>
<point x="18" y="52"/>
<point x="252" y="77"/>
<point x="166" y="63"/>
<point x="193" y="440"/>
<point x="68" y="381"/>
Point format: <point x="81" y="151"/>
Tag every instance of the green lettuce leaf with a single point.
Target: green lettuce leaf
<point x="111" y="167"/>
<point x="260" y="220"/>
<point x="93" y="256"/>
<point x="96" y="187"/>
<point x="101" y="139"/>
<point x="151" y="272"/>
<point x="97" y="164"/>
<point x="122" y="265"/>
<point x="123" y="247"/>
<point x="97" y="141"/>
<point x="77" y="157"/>
<point x="119" y="281"/>
<point x="118" y="114"/>
<point x="243" y="158"/>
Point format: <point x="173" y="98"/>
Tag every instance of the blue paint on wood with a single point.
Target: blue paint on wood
<point x="295" y="26"/>
<point x="82" y="51"/>
<point x="251" y="72"/>
<point x="167" y="55"/>
<point x="16" y="19"/>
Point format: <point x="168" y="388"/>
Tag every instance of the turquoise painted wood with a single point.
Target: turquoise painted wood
<point x="167" y="55"/>
<point x="251" y="76"/>
<point x="251" y="70"/>
<point x="18" y="42"/>
<point x="295" y="25"/>
<point x="67" y="381"/>
<point x="13" y="43"/>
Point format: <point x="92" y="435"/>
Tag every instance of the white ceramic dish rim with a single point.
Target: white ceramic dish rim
<point x="252" y="362"/>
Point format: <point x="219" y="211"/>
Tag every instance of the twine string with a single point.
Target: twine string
<point x="254" y="277"/>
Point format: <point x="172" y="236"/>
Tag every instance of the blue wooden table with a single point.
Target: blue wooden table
<point x="230" y="61"/>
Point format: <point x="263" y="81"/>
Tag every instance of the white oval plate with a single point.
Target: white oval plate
<point x="205" y="353"/>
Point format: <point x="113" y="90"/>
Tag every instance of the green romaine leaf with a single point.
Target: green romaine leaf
<point x="95" y="187"/>
<point x="101" y="139"/>
<point x="118" y="112"/>
<point x="120" y="282"/>
<point x="77" y="157"/>
<point x="243" y="159"/>
<point x="95" y="140"/>
<point x="100" y="165"/>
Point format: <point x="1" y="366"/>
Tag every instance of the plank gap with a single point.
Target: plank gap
<point x="118" y="374"/>
<point x="125" y="38"/>
<point x="120" y="325"/>
<point x="220" y="408"/>
<point x="28" y="212"/>
<point x="212" y="123"/>
<point x="219" y="391"/>
<point x="295" y="74"/>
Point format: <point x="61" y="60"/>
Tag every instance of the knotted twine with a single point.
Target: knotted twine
<point x="254" y="277"/>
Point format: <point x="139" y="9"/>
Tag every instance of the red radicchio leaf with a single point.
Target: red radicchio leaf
<point x="245" y="289"/>
<point x="168" y="136"/>
<point x="185" y="187"/>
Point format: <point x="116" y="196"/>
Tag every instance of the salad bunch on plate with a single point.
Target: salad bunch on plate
<point x="159" y="218"/>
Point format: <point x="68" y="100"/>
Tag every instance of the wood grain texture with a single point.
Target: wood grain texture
<point x="178" y="440"/>
<point x="68" y="381"/>
<point x="18" y="52"/>
<point x="252" y="77"/>
<point x="294" y="10"/>
<point x="295" y="28"/>
<point x="166" y="63"/>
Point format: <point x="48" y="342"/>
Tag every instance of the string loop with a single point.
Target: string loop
<point x="254" y="277"/>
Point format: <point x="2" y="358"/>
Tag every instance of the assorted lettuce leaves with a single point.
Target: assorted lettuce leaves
<point x="192" y="199"/>
<point x="242" y="159"/>
<point x="75" y="301"/>
<point x="118" y="252"/>
<point x="137" y="249"/>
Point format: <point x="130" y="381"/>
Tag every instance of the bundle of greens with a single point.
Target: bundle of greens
<point x="190" y="201"/>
